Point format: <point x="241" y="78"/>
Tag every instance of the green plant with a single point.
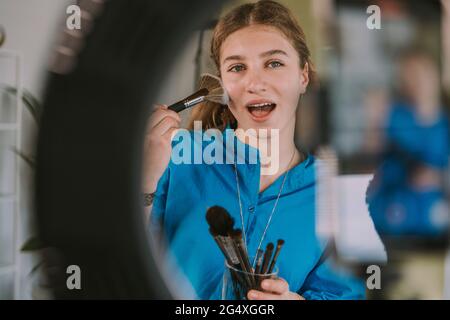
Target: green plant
<point x="32" y="104"/>
<point x="29" y="101"/>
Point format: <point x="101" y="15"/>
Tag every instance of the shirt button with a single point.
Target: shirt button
<point x="251" y="208"/>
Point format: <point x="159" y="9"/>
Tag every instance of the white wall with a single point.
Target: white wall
<point x="179" y="82"/>
<point x="30" y="27"/>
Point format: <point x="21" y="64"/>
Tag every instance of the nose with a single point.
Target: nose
<point x="255" y="82"/>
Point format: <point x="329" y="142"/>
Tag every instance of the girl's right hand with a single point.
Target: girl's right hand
<point x="163" y="124"/>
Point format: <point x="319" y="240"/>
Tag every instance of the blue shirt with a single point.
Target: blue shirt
<point x="425" y="143"/>
<point x="186" y="191"/>
<point x="397" y="207"/>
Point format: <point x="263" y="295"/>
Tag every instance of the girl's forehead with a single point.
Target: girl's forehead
<point x="255" y="39"/>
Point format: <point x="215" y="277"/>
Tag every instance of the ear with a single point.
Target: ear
<point x="304" y="77"/>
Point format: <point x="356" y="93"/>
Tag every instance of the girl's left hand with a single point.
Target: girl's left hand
<point x="274" y="289"/>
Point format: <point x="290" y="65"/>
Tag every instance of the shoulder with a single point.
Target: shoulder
<point x="303" y="175"/>
<point x="311" y="165"/>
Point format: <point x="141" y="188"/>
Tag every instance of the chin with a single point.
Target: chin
<point x="259" y="127"/>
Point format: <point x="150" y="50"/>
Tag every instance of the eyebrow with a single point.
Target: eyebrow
<point x="262" y="55"/>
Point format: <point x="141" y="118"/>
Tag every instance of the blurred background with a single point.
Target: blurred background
<point x="378" y="116"/>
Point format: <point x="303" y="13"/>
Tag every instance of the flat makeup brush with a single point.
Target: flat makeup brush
<point x="211" y="89"/>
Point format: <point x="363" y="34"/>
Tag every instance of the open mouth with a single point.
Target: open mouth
<point x="261" y="111"/>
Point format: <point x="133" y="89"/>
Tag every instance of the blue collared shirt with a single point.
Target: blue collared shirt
<point x="186" y="191"/>
<point x="397" y="206"/>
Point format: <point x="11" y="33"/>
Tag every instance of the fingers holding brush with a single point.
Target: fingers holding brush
<point x="163" y="131"/>
<point x="161" y="112"/>
<point x="245" y="279"/>
<point x="274" y="289"/>
<point x="278" y="285"/>
<point x="162" y="124"/>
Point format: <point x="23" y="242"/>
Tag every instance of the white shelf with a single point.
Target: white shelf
<point x="16" y="268"/>
<point x="8" y="53"/>
<point x="7" y="269"/>
<point x="7" y="198"/>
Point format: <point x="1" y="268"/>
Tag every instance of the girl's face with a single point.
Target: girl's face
<point x="419" y="79"/>
<point x="261" y="72"/>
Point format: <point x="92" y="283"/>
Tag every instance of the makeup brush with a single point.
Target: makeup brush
<point x="224" y="247"/>
<point x="280" y="243"/>
<point x="217" y="92"/>
<point x="219" y="220"/>
<point x="259" y="258"/>
<point x="244" y="261"/>
<point x="211" y="89"/>
<point x="221" y="223"/>
<point x="267" y="256"/>
<point x="232" y="260"/>
<point x="236" y="235"/>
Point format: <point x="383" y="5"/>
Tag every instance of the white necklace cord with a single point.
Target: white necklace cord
<point x="273" y="209"/>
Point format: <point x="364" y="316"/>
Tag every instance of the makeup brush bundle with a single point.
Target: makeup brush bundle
<point x="244" y="276"/>
<point x="211" y="89"/>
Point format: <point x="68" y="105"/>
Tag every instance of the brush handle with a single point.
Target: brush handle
<point x="178" y="106"/>
<point x="266" y="259"/>
<point x="259" y="257"/>
<point x="280" y="244"/>
<point x="190" y="101"/>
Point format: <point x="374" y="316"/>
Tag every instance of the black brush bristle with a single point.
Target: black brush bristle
<point x="219" y="220"/>
<point x="236" y="233"/>
<point x="212" y="232"/>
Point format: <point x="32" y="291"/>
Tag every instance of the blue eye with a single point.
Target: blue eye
<point x="236" y="68"/>
<point x="275" y="64"/>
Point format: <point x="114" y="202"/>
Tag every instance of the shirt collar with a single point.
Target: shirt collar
<point x="298" y="177"/>
<point x="241" y="152"/>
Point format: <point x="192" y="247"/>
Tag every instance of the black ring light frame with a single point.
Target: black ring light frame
<point x="90" y="146"/>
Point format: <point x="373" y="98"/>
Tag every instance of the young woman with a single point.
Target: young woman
<point x="406" y="196"/>
<point x="264" y="63"/>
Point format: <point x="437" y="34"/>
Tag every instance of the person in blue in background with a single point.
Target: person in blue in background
<point x="264" y="63"/>
<point x="407" y="196"/>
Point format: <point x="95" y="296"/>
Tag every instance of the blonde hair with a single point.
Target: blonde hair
<point x="265" y="12"/>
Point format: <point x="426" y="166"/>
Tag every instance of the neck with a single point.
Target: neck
<point x="276" y="150"/>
